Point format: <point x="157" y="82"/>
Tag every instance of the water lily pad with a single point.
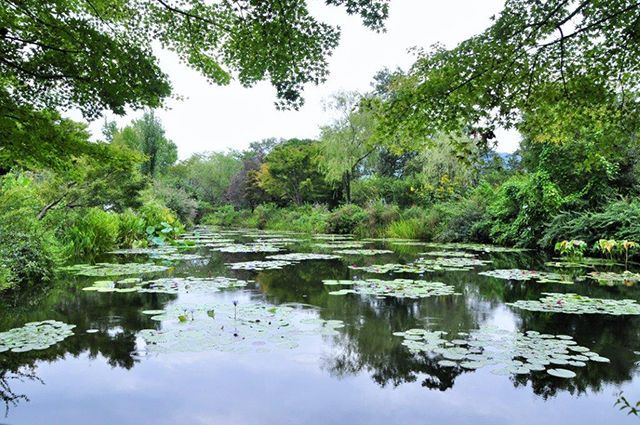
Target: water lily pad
<point x="518" y="274"/>
<point x="578" y="304"/>
<point x="362" y="251"/>
<point x="398" y="288"/>
<point x="253" y="326"/>
<point x="515" y="353"/>
<point x="246" y="248"/>
<point x="561" y="373"/>
<point x="35" y="336"/>
<point x="610" y="278"/>
<point x="302" y="256"/>
<point x="260" y="265"/>
<point x="114" y="269"/>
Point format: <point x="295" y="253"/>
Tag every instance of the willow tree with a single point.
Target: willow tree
<point x="347" y="141"/>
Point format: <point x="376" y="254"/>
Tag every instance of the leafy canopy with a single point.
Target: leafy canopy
<point x="535" y="53"/>
<point x="96" y="55"/>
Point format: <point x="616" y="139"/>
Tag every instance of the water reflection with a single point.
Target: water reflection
<point x="364" y="347"/>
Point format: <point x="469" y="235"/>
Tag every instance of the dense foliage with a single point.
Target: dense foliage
<point x="415" y="157"/>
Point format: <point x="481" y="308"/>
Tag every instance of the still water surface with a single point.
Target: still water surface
<point x="359" y="374"/>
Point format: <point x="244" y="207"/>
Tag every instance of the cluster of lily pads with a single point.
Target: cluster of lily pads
<point x="425" y="265"/>
<point x="260" y="265"/>
<point x="114" y="269"/>
<point x="339" y="245"/>
<point x="132" y="284"/>
<point x="578" y="304"/>
<point x="398" y="288"/>
<point x="477" y="247"/>
<point x="302" y="256"/>
<point x="254" y="326"/>
<point x="362" y="251"/>
<point x="35" y="336"/>
<point x="246" y="248"/>
<point x="626" y="278"/>
<point x="512" y="352"/>
<point x="518" y="274"/>
<point x="448" y="254"/>
<point x="168" y="285"/>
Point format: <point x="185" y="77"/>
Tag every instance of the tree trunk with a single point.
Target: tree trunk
<point x="346" y="186"/>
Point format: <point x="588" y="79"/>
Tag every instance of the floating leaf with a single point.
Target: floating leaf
<point x="579" y="304"/>
<point x="399" y="288"/>
<point x="35" y="336"/>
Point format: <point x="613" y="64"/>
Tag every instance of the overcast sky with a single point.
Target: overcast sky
<point x="211" y="118"/>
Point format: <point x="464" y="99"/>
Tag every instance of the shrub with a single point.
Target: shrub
<point x="404" y="191"/>
<point x="617" y="220"/>
<point x="345" y="219"/>
<point x="160" y="222"/>
<point x="412" y="228"/>
<point x="304" y="218"/>
<point x="131" y="229"/>
<point x="95" y="232"/>
<point x="379" y="216"/>
<point x="28" y="251"/>
<point x="177" y="200"/>
<point x="522" y="208"/>
<point x="467" y="219"/>
<point x="226" y="215"/>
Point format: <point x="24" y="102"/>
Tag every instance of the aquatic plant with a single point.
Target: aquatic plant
<point x="114" y="269"/>
<point x="35" y="336"/>
<point x="253" y="326"/>
<point x="572" y="250"/>
<point x="398" y="288"/>
<point x="578" y="304"/>
<point x="512" y="352"/>
<point x="518" y="274"/>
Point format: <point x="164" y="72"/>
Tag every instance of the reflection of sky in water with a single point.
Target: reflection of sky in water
<point x="274" y="388"/>
<point x="504" y="318"/>
<point x="362" y="376"/>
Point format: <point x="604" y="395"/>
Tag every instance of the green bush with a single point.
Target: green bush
<point x="346" y="219"/>
<point x="523" y="207"/>
<point x="379" y="216"/>
<point x="467" y="219"/>
<point x="304" y="218"/>
<point x="28" y="251"/>
<point x="412" y="228"/>
<point x="178" y="200"/>
<point x="95" y="232"/>
<point x="403" y="192"/>
<point x="618" y="220"/>
<point x="161" y="224"/>
<point x="131" y="229"/>
<point x="226" y="215"/>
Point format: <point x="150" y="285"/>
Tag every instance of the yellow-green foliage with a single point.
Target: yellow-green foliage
<point x="28" y="251"/>
<point x="95" y="232"/>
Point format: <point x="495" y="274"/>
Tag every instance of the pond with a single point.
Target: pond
<point x="254" y="327"/>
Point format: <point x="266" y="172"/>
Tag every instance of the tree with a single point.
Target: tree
<point x="442" y="170"/>
<point x="98" y="54"/>
<point x="32" y="139"/>
<point x="111" y="181"/>
<point x="582" y="52"/>
<point x="146" y="136"/>
<point x="347" y="141"/>
<point x="292" y="173"/>
<point x="244" y="189"/>
<point x="206" y="177"/>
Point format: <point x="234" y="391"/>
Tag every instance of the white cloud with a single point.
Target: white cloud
<point x="218" y="118"/>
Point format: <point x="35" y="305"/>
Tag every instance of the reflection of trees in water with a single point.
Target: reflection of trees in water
<point x="366" y="343"/>
<point x="22" y="374"/>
